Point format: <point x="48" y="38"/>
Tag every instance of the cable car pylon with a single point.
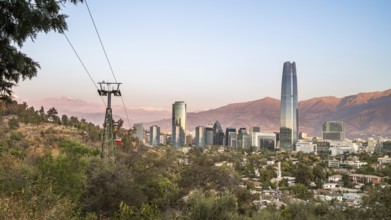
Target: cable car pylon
<point x="108" y="149"/>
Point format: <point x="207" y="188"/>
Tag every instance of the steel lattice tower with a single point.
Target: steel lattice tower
<point x="108" y="146"/>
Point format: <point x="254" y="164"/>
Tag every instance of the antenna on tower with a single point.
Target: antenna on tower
<point x="108" y="147"/>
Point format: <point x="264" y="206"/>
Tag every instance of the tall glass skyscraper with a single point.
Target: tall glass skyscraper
<point x="154" y="133"/>
<point x="289" y="125"/>
<point x="178" y="137"/>
<point x="200" y="136"/>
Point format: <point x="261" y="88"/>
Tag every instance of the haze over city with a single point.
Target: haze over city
<point x="214" y="53"/>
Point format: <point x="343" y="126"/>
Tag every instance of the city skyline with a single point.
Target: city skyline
<point x="207" y="49"/>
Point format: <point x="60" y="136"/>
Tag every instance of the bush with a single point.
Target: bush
<point x="16" y="136"/>
<point x="13" y="123"/>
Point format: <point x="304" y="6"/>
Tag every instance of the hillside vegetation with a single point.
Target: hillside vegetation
<point x="50" y="168"/>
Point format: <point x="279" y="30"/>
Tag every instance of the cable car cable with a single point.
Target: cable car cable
<point x="107" y="58"/>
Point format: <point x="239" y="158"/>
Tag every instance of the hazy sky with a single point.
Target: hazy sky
<point x="212" y="53"/>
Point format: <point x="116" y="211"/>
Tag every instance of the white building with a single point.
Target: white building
<point x="265" y="140"/>
<point x="339" y="147"/>
<point x="305" y="146"/>
<point x="335" y="178"/>
<point x="330" y="185"/>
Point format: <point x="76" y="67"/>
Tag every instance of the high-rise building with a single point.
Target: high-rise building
<point x="200" y="136"/>
<point x="218" y="134"/>
<point x="139" y="132"/>
<point x="254" y="131"/>
<point x="178" y="136"/>
<point x="228" y="132"/>
<point x="154" y="135"/>
<point x="334" y="130"/>
<point x="289" y="124"/>
<point x="243" y="138"/>
<point x="209" y="138"/>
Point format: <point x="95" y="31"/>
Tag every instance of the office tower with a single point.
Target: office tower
<point x="243" y="138"/>
<point x="267" y="141"/>
<point x="218" y="134"/>
<point x="228" y="132"/>
<point x="178" y="136"/>
<point x="209" y="138"/>
<point x="154" y="135"/>
<point x="200" y="136"/>
<point x="289" y="124"/>
<point x="230" y="137"/>
<point x="334" y="130"/>
<point x="323" y="148"/>
<point x="254" y="131"/>
<point x="139" y="132"/>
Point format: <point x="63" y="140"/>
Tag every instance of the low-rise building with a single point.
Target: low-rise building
<point x="335" y="178"/>
<point x="330" y="185"/>
<point x="305" y="146"/>
<point x="352" y="198"/>
<point x="362" y="178"/>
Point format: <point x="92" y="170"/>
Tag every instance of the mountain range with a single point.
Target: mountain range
<point x="364" y="114"/>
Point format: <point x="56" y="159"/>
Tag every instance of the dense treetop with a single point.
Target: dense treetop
<point x="20" y="20"/>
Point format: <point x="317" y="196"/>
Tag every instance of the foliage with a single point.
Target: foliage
<point x="19" y="21"/>
<point x="13" y="123"/>
<point x="68" y="180"/>
<point x="346" y="181"/>
<point x="377" y="204"/>
<point x="66" y="172"/>
<point x="146" y="211"/>
<point x="201" y="173"/>
<point x="304" y="174"/>
<point x="301" y="191"/>
<point x="211" y="207"/>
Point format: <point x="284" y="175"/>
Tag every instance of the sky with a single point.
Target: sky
<point x="212" y="53"/>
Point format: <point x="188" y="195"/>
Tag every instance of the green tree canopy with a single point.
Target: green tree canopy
<point x="20" y="20"/>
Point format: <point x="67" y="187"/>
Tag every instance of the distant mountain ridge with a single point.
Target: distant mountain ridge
<point x="364" y="114"/>
<point x="95" y="113"/>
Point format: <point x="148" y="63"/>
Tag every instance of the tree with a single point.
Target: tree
<point x="20" y="20"/>
<point x="52" y="115"/>
<point x="42" y="114"/>
<point x="319" y="176"/>
<point x="346" y="181"/>
<point x="304" y="174"/>
<point x="301" y="191"/>
<point x="74" y="121"/>
<point x="64" y="120"/>
<point x="377" y="204"/>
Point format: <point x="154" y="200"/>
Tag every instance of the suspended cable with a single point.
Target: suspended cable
<point x="85" y="68"/>
<point x="101" y="43"/>
<point x="107" y="58"/>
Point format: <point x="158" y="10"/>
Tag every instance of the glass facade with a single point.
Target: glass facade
<point x="334" y="130"/>
<point x="200" y="136"/>
<point x="154" y="132"/>
<point x="178" y="138"/>
<point x="209" y="136"/>
<point x="289" y="125"/>
<point x="218" y="134"/>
